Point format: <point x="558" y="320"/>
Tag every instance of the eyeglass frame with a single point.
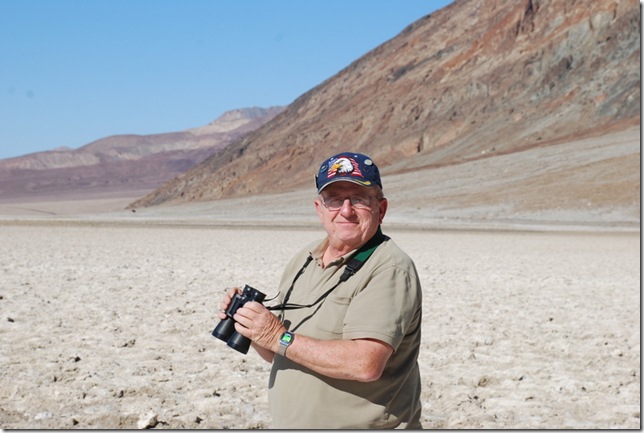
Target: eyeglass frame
<point x="378" y="197"/>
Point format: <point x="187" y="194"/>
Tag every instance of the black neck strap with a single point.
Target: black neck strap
<point x="356" y="262"/>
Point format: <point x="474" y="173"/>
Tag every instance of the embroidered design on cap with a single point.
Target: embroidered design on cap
<point x="344" y="165"/>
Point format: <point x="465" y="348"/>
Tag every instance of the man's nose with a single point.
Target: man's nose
<point x="347" y="207"/>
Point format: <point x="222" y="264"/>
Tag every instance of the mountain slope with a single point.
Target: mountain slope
<point x="477" y="79"/>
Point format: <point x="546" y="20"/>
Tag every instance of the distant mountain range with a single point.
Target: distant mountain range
<point x="471" y="88"/>
<point x="125" y="162"/>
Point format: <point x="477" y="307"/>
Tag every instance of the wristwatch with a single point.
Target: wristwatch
<point x="285" y="340"/>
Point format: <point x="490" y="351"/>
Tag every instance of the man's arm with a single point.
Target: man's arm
<point x="267" y="355"/>
<point x="363" y="360"/>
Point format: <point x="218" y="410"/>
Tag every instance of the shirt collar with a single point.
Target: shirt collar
<point x="318" y="252"/>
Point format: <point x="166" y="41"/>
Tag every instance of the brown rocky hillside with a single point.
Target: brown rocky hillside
<point x="479" y="79"/>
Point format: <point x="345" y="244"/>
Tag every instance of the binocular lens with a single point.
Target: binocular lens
<point x="225" y="331"/>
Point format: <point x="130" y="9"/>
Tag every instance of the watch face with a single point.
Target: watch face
<point x="287" y="338"/>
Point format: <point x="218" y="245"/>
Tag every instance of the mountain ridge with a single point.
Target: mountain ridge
<point x="125" y="160"/>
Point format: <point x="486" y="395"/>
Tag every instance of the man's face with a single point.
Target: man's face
<point x="351" y="225"/>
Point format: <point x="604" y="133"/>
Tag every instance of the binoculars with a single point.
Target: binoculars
<point x="225" y="330"/>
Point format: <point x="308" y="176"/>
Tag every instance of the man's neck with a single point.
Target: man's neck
<point x="332" y="253"/>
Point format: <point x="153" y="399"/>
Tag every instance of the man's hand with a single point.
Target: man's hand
<point x="226" y="301"/>
<point x="257" y="323"/>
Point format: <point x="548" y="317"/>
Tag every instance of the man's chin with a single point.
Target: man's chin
<point x="350" y="236"/>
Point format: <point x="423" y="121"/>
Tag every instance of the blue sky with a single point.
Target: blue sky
<point x="74" y="71"/>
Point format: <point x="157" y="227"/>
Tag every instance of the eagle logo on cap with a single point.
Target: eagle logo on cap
<point x="344" y="165"/>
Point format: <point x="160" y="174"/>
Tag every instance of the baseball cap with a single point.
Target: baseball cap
<point x="348" y="166"/>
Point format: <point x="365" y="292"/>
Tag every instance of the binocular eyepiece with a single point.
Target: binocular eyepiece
<point x="225" y="330"/>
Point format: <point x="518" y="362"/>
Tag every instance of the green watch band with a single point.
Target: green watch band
<point x="285" y="340"/>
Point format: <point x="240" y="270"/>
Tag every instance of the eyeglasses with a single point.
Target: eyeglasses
<point x="357" y="201"/>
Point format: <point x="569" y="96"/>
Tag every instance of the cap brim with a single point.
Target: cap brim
<point x="366" y="183"/>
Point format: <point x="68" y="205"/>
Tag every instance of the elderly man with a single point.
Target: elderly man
<point x="345" y="344"/>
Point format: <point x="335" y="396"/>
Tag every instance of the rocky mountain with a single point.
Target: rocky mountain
<point x="125" y="162"/>
<point x="476" y="80"/>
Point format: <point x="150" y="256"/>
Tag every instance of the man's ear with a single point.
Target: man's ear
<point x="318" y="208"/>
<point x="384" y="204"/>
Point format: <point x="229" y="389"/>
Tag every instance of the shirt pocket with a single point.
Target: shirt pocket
<point x="332" y="314"/>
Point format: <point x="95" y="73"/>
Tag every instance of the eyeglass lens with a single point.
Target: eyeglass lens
<point x="335" y="203"/>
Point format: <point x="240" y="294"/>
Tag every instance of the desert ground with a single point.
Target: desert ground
<point x="106" y="323"/>
<point x="531" y="308"/>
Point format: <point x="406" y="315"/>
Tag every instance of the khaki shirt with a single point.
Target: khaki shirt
<point x="381" y="301"/>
